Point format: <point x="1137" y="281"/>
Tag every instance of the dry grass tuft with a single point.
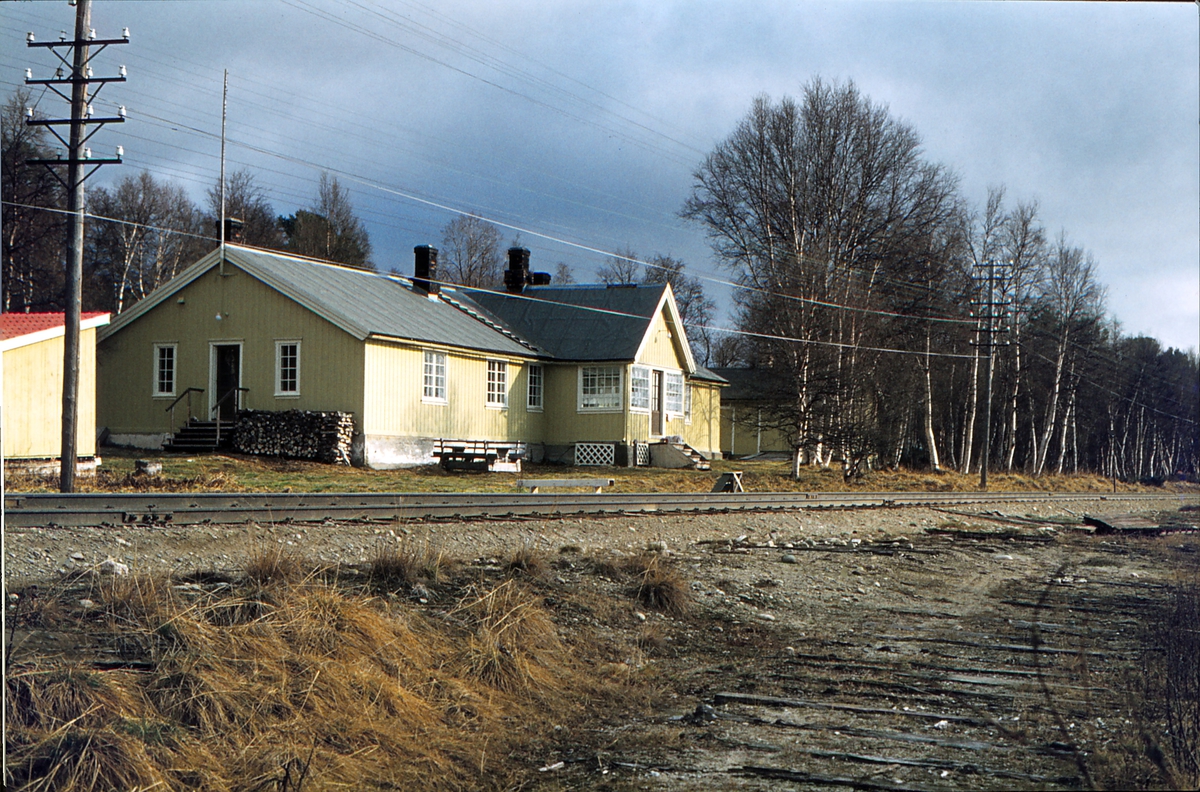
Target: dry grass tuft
<point x="272" y="565"/>
<point x="513" y="645"/>
<point x="395" y="567"/>
<point x="658" y="585"/>
<point x="243" y="684"/>
<point x="83" y="760"/>
<point x="526" y="561"/>
<point x="56" y="698"/>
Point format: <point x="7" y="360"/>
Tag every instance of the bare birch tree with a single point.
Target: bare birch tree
<point x="144" y="233"/>
<point x="812" y="204"/>
<point x="1071" y="299"/>
<point x="471" y="252"/>
<point x="620" y="269"/>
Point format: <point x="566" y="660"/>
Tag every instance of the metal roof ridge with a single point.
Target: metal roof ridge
<point x="488" y="322"/>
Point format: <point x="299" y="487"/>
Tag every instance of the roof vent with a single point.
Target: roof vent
<point x="425" y="270"/>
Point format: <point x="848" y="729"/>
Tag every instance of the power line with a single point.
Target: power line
<point x="587" y="248"/>
<point x="611" y="312"/>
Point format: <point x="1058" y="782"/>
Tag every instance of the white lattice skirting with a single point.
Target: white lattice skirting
<point x="595" y="454"/>
<point x="642" y="454"/>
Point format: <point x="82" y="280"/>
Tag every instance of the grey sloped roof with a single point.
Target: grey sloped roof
<point x="576" y="322"/>
<point x="755" y="384"/>
<point x="361" y="302"/>
<point x="368" y="303"/>
<point x="703" y="373"/>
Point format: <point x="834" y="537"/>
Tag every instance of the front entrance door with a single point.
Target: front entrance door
<point x="227" y="363"/>
<point x="656" y="404"/>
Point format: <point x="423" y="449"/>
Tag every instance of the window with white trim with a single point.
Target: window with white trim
<point x="639" y="392"/>
<point x="287" y="368"/>
<point x="687" y="402"/>
<point x="673" y="384"/>
<point x="434" y="387"/>
<point x="536" y="389"/>
<point x="600" y="388"/>
<point x="497" y="383"/>
<point x="164" y="369"/>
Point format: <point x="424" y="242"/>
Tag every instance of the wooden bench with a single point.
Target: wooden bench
<point x="536" y="484"/>
<point x="501" y="457"/>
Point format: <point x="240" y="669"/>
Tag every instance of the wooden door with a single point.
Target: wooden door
<point x="656" y="404"/>
<point x="228" y="362"/>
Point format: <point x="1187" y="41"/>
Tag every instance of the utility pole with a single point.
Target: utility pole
<point x="79" y="157"/>
<point x="988" y="315"/>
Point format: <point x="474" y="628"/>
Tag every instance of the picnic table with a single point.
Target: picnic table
<point x="496" y="456"/>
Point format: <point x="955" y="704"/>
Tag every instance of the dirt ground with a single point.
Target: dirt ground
<point x="879" y="648"/>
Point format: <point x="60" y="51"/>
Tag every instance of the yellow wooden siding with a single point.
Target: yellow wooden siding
<point x="254" y="315"/>
<point x="33" y="399"/>
<point x="564" y="423"/>
<point x="703" y="433"/>
<point x="742" y="435"/>
<point x="662" y="349"/>
<point x="395" y="385"/>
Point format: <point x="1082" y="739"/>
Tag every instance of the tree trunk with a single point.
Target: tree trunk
<point x="1068" y="417"/>
<point x="1051" y="419"/>
<point x="968" y="437"/>
<point x="1010" y="453"/>
<point x="930" y="439"/>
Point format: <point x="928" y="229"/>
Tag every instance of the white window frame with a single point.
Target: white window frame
<point x="639" y="397"/>
<point x="535" y="378"/>
<point x="279" y="347"/>
<point x="156" y="372"/>
<point x="610" y="402"/>
<point x="433" y="377"/>
<point x="673" y="386"/>
<point x="497" y="384"/>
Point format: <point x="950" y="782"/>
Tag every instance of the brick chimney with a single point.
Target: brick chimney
<point x="518" y="276"/>
<point x="425" y="270"/>
<point x="518" y="270"/>
<point x="234" y="229"/>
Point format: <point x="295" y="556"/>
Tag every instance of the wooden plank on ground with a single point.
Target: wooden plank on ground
<point x="597" y="484"/>
<point x="783" y="703"/>
<point x="1132" y="524"/>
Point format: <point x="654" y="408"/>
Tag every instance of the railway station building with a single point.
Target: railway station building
<point x="574" y="374"/>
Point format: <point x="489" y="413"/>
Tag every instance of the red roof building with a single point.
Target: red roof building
<point x="15" y="325"/>
<point x="32" y="346"/>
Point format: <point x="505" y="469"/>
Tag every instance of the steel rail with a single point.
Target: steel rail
<point x="98" y="509"/>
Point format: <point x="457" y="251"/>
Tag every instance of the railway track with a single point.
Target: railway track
<point x="95" y="509"/>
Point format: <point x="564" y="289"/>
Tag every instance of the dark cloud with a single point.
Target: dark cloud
<point x="585" y="120"/>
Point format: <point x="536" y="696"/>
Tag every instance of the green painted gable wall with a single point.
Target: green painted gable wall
<point x="255" y="315"/>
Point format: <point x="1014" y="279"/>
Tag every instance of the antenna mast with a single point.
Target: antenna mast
<point x="224" y="104"/>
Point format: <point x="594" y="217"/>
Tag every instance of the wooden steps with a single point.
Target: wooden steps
<point x="698" y="460"/>
<point x="199" y="436"/>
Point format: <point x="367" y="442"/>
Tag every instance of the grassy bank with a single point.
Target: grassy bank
<point x="236" y="473"/>
<point x="291" y="677"/>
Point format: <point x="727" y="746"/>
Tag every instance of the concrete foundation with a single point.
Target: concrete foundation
<point x="150" y="441"/>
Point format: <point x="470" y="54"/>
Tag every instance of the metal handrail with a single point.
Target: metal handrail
<point x="216" y="408"/>
<point x="188" y="394"/>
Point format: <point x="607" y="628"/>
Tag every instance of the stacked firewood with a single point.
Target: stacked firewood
<point x="299" y="434"/>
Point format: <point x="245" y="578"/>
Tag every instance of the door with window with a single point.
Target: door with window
<point x="656" y="404"/>
<point x="227" y="376"/>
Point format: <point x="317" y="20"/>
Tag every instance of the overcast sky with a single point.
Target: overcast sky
<point x="579" y="124"/>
